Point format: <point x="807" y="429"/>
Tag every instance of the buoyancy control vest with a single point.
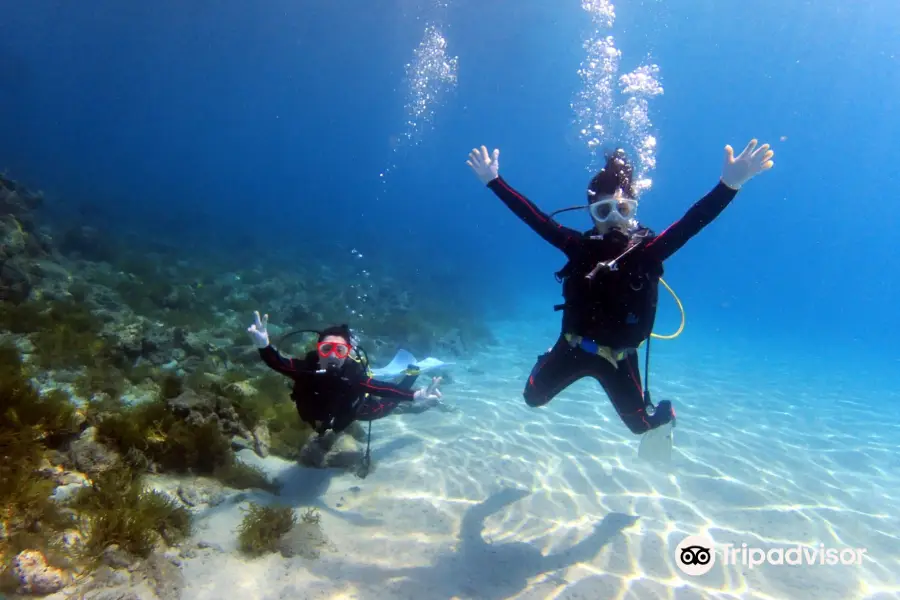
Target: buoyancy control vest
<point x="329" y="397"/>
<point x="611" y="291"/>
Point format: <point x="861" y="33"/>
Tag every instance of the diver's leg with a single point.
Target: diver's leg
<point x="556" y="370"/>
<point x="417" y="407"/>
<point x="623" y="386"/>
<point x="409" y="380"/>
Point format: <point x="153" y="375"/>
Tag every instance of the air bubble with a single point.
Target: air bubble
<point x="598" y="118"/>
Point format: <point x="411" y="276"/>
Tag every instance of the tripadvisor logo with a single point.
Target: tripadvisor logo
<point x="697" y="554"/>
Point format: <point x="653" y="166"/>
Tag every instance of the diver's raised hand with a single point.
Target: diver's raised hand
<point x="431" y="392"/>
<point x="487" y="168"/>
<point x="259" y="330"/>
<point x="752" y="161"/>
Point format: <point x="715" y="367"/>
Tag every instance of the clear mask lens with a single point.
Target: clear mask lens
<point x="623" y="208"/>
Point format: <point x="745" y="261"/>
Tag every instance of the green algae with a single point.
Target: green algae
<point x="311" y="516"/>
<point x="116" y="509"/>
<point x="31" y="426"/>
<point x="149" y="434"/>
<point x="262" y="400"/>
<point x="99" y="379"/>
<point x="50" y="416"/>
<point x="262" y="528"/>
<point x="68" y="335"/>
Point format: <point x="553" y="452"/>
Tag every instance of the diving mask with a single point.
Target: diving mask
<point x="613" y="209"/>
<point x="332" y="356"/>
<point x="339" y="350"/>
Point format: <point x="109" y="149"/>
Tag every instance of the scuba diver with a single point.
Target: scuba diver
<point x="332" y="386"/>
<point x="610" y="284"/>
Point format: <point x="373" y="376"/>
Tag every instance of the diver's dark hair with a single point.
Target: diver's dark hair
<point x="338" y="330"/>
<point x="615" y="175"/>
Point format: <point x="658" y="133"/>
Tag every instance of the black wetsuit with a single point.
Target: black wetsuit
<point x="335" y="400"/>
<point x="612" y="307"/>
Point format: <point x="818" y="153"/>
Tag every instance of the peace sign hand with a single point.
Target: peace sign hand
<point x="259" y="330"/>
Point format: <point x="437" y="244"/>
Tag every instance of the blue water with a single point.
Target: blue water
<point x="232" y="126"/>
<point x="190" y="120"/>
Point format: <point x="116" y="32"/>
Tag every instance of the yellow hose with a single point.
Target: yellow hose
<point x="680" y="308"/>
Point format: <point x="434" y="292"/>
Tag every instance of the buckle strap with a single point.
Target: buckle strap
<point x="592" y="347"/>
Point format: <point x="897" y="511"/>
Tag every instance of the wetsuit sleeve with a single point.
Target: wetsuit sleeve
<point x="278" y="362"/>
<point x="385" y="390"/>
<point x="696" y="218"/>
<point x="561" y="237"/>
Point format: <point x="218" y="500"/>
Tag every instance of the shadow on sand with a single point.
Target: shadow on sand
<point x="304" y="487"/>
<point x="477" y="569"/>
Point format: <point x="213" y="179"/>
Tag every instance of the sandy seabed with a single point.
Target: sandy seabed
<point x="498" y="500"/>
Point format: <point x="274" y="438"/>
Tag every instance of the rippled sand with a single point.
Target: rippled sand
<point x="499" y="500"/>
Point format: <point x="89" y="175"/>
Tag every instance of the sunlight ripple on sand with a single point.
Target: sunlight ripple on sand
<point x="499" y="500"/>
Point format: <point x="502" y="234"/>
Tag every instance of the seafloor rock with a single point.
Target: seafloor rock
<point x="20" y="247"/>
<point x="197" y="408"/>
<point x="357" y="431"/>
<point x="450" y="343"/>
<point x="190" y="402"/>
<point x="106" y="576"/>
<point x="180" y="297"/>
<point x="192" y="343"/>
<point x="72" y="540"/>
<point x="87" y="243"/>
<point x="239" y="443"/>
<point x="52" y="469"/>
<point x="165" y="578"/>
<point x="331" y="451"/>
<point x="154" y="578"/>
<point x="16" y="199"/>
<point x="115" y="557"/>
<point x="230" y="421"/>
<point x="15" y="282"/>
<point x="261" y="440"/>
<point x="66" y="492"/>
<point x="36" y="576"/>
<point x="139" y="337"/>
<point x="196" y="492"/>
<point x="90" y="456"/>
<point x="244" y="389"/>
<point x="313" y="454"/>
<point x="114" y="594"/>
